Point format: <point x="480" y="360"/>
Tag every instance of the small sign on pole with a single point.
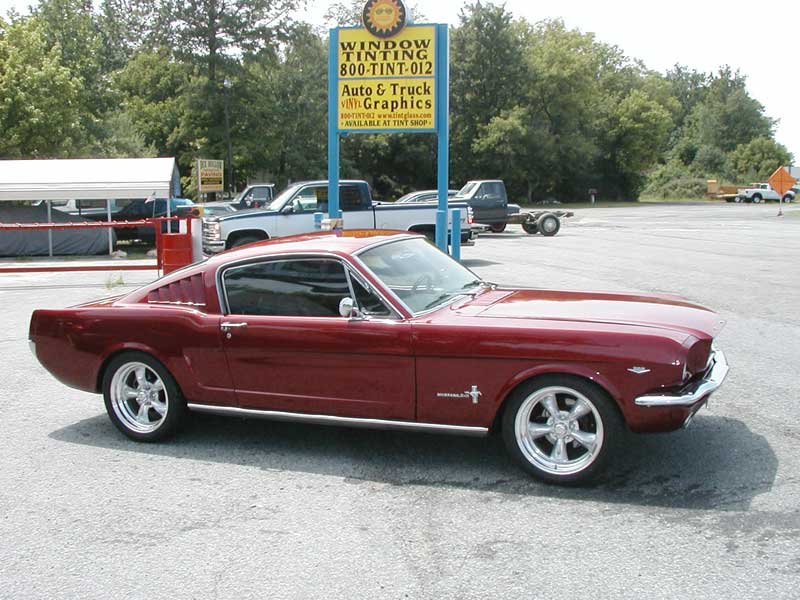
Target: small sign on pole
<point x="210" y="175"/>
<point x="781" y="181"/>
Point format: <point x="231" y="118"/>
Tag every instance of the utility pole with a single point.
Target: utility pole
<point x="226" y="85"/>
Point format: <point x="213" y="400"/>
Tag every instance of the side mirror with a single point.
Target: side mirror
<point x="287" y="210"/>
<point x="348" y="309"/>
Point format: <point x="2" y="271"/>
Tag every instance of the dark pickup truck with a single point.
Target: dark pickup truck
<point x="489" y="203"/>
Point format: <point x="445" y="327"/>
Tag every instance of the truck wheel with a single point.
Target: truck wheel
<point x="530" y="227"/>
<point x="788" y="198"/>
<point x="548" y="224"/>
<point x="498" y="227"/>
<point x="244" y="240"/>
<point x="757" y="199"/>
<point x="738" y="199"/>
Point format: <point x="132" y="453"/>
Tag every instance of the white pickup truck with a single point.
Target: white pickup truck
<point x="292" y="212"/>
<point x="762" y="192"/>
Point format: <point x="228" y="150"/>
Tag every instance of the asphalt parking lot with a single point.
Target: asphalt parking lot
<point x="249" y="509"/>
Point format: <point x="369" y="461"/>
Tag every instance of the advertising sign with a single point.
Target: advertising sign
<point x="210" y="175"/>
<point x="387" y="84"/>
<point x="390" y="76"/>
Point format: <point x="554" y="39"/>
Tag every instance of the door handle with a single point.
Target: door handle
<point x="229" y="326"/>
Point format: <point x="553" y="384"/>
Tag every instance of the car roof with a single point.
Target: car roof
<point x="344" y="242"/>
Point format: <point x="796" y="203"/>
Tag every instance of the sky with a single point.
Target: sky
<point x="761" y="40"/>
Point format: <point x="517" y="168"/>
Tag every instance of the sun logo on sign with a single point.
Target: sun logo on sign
<point x="385" y="18"/>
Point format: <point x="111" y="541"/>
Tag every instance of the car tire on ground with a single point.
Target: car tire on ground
<point x="498" y="227"/>
<point x="757" y="199"/>
<point x="738" y="199"/>
<point x="561" y="429"/>
<point x="530" y="227"/>
<point x="548" y="224"/>
<point x="788" y="198"/>
<point x="142" y="398"/>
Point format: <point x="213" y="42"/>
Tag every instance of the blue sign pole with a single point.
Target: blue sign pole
<point x="443" y="131"/>
<point x="333" y="126"/>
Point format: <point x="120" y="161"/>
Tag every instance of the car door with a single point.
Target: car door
<point x="289" y="349"/>
<point x="494" y="201"/>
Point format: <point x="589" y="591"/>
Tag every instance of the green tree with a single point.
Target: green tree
<point x="758" y="159"/>
<point x="41" y="100"/>
<point x="487" y="70"/>
<point x="150" y="89"/>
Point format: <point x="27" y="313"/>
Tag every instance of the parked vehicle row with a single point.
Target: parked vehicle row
<point x="293" y="212"/>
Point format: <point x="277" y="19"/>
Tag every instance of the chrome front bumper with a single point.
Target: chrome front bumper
<point x="697" y="391"/>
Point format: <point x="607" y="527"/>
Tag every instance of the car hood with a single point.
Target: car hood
<point x="664" y="312"/>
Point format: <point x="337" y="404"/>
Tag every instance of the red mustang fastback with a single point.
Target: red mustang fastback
<point x="378" y="329"/>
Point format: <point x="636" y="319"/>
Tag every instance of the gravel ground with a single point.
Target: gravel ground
<point x="248" y="509"/>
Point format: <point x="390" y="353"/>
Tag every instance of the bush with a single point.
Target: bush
<point x="674" y="181"/>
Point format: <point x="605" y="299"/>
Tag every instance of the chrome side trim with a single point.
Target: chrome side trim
<point x="340" y="421"/>
<point x="697" y="391"/>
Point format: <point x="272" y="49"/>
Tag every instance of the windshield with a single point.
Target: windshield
<point x="419" y="274"/>
<point x="281" y="198"/>
<point x="465" y="191"/>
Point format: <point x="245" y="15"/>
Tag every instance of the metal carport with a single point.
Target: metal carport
<point x="88" y="179"/>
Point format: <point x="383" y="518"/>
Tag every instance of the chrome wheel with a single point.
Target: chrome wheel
<point x="559" y="430"/>
<point x="138" y="397"/>
<point x="549" y="225"/>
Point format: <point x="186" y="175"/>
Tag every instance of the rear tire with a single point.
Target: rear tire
<point x="757" y="199"/>
<point x="530" y="227"/>
<point x="561" y="429"/>
<point x="498" y="227"/>
<point x="548" y="224"/>
<point x="142" y="398"/>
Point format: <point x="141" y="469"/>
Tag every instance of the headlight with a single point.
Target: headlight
<point x="211" y="230"/>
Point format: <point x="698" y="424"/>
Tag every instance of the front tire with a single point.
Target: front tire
<point x="244" y="240"/>
<point x="141" y="397"/>
<point x="561" y="429"/>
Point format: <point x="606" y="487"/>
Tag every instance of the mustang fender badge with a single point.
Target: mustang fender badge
<point x="474" y="393"/>
<point x="639" y="370"/>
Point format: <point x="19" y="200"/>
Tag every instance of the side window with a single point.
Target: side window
<point x="368" y="301"/>
<point x="307" y="201"/>
<point x="350" y="198"/>
<point x="493" y="190"/>
<point x="287" y="288"/>
<point x="260" y="193"/>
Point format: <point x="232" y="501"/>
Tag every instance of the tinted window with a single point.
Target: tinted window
<point x="350" y="198"/>
<point x="297" y="288"/>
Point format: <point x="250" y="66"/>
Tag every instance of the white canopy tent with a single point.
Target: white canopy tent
<point x="89" y="179"/>
<point x="108" y="179"/>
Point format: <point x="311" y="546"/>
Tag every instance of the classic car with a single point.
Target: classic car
<point x="380" y="329"/>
